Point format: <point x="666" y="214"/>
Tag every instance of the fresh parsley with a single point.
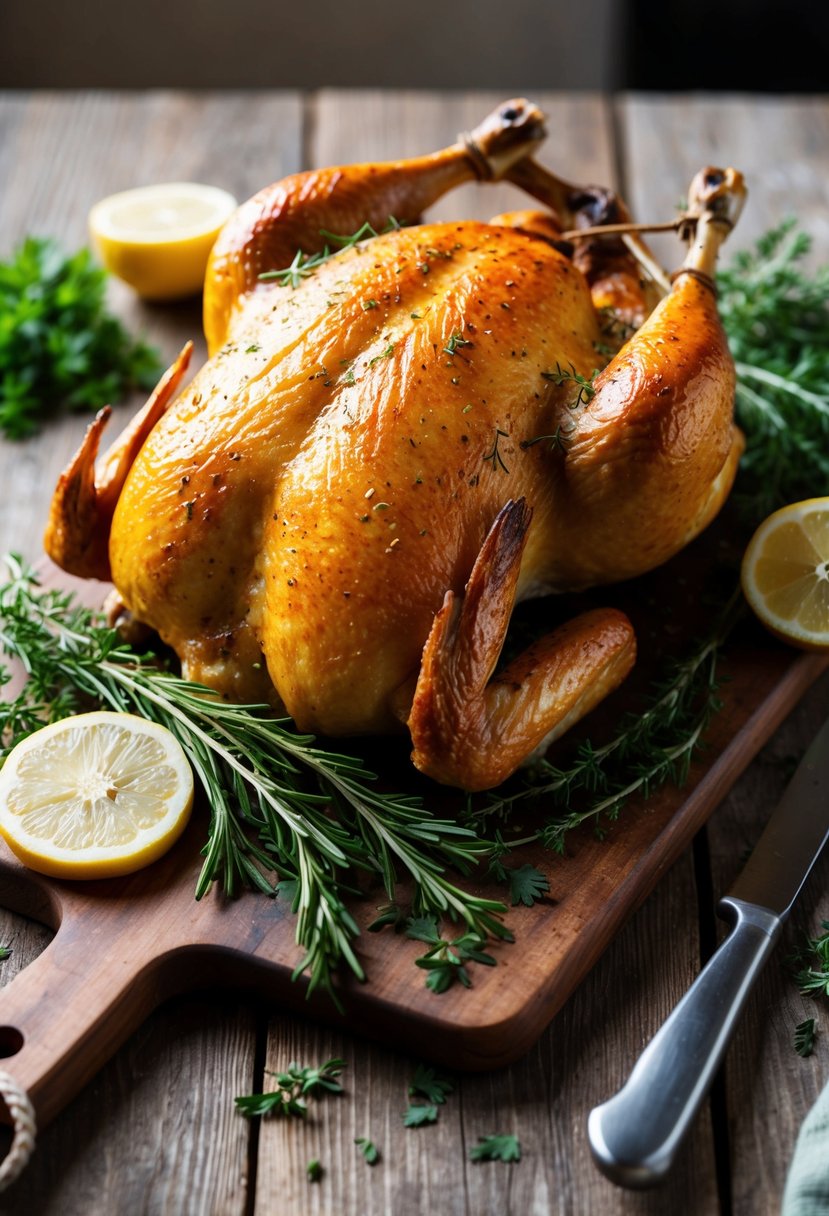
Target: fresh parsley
<point x="293" y="1087"/>
<point x="419" y="1115"/>
<point x="314" y="1170"/>
<point x="59" y="347"/>
<point x="445" y="961"/>
<point x="426" y="1083"/>
<point x="5" y="952"/>
<point x="496" y="1148"/>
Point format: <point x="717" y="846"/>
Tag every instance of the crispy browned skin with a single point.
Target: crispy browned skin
<point x="340" y="511"/>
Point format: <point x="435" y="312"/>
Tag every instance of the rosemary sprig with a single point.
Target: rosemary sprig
<point x="269" y="788"/>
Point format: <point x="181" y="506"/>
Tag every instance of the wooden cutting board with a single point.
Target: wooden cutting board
<point x="125" y="945"/>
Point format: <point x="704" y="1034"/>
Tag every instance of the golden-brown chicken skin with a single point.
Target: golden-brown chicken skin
<point x="339" y="512"/>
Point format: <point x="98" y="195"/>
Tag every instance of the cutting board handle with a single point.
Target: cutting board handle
<point x="67" y="1012"/>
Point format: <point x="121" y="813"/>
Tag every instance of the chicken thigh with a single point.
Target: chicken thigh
<point x="389" y="447"/>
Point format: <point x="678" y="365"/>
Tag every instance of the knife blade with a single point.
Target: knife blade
<point x="635" y="1135"/>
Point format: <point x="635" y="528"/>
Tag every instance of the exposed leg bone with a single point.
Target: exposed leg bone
<point x="472" y="730"/>
<point x="80" y="516"/>
<point x="294" y="214"/>
<point x="583" y="207"/>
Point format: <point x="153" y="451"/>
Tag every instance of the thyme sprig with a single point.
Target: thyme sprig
<point x="776" y="314"/>
<point x="270" y="789"/>
<point x="563" y="375"/>
<point x="648" y="749"/>
<point x="304" y="264"/>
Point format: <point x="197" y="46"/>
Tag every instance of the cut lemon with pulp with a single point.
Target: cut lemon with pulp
<point x="785" y="573"/>
<point x="95" y="795"/>
<point x="158" y="238"/>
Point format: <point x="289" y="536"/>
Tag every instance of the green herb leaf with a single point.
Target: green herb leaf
<point x="494" y="453"/>
<point x="804" y="1037"/>
<point x="562" y="376"/>
<point x="303" y="265"/>
<point x="293" y="1087"/>
<point x="314" y="1170"/>
<point x="526" y="885"/>
<point x="427" y="1084"/>
<point x="445" y="961"/>
<point x="496" y="1148"/>
<point x="810" y="963"/>
<point x="776" y="314"/>
<point x="5" y="952"/>
<point x="418" y="1116"/>
<point x="368" y="1149"/>
<point x="59" y="347"/>
<point x="456" y="341"/>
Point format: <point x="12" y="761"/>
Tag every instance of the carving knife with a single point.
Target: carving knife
<point x="634" y="1136"/>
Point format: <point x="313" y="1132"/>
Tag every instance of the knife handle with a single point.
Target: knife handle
<point x="634" y="1136"/>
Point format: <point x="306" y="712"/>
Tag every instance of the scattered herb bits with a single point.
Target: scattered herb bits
<point x="426" y="1083"/>
<point x="804" y="1037"/>
<point x="314" y="1170"/>
<point x="293" y="1087"/>
<point x="419" y="1114"/>
<point x="59" y="347"/>
<point x="445" y="961"/>
<point x="369" y="1150"/>
<point x="496" y="1148"/>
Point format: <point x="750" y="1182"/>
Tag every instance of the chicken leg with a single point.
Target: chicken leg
<point x="296" y="213"/>
<point x="652" y="454"/>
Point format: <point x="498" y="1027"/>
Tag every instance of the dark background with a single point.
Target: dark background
<point x="513" y="45"/>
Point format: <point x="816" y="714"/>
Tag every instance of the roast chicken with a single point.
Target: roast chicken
<point x="389" y="447"/>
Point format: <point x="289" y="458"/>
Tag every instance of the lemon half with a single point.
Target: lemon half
<point x="158" y="238"/>
<point x="785" y="573"/>
<point x="95" y="795"/>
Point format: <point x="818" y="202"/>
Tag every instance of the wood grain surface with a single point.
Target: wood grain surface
<point x="155" y="1130"/>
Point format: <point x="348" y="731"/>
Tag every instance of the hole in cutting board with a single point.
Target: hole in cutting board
<point x="11" y="1040"/>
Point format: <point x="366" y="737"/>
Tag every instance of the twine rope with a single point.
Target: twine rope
<point x="25" y="1129"/>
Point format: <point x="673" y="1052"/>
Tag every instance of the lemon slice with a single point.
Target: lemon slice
<point x="158" y="238"/>
<point x="95" y="795"/>
<point x="785" y="573"/>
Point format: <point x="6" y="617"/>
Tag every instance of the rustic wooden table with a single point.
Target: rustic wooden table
<point x="156" y="1131"/>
